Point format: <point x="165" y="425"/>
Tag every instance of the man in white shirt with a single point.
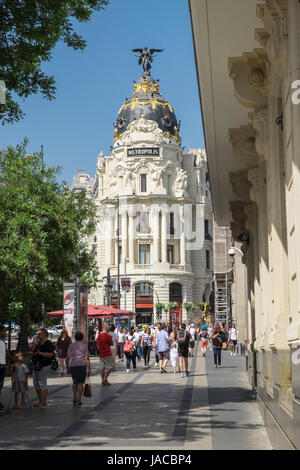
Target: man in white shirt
<point x="121" y="342"/>
<point x="138" y="337"/>
<point x="114" y="348"/>
<point x="192" y="331"/>
<point x="233" y="339"/>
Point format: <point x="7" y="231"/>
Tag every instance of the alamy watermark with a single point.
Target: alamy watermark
<point x="296" y="353"/>
<point x="296" y="94"/>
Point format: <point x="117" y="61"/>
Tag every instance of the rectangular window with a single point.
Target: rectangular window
<point x="170" y="252"/>
<point x="143" y="226"/>
<point x="144" y="254"/>
<point x="206" y="228"/>
<point x="194" y="218"/>
<point x="207" y="260"/>
<point x="169" y="184"/>
<point x="143" y="183"/>
<point x="172" y="229"/>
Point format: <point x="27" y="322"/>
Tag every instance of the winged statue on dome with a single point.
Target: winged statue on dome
<point x="146" y="57"/>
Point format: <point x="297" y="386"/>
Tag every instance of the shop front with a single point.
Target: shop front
<point x="144" y="302"/>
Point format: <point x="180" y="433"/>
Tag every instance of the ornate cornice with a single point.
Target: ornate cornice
<point x="250" y="77"/>
<point x="260" y="120"/>
<point x="240" y="184"/>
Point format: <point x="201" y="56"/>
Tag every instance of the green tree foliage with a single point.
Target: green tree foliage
<point x="42" y="228"/>
<point x="172" y="306"/>
<point x="29" y="31"/>
<point x="189" y="306"/>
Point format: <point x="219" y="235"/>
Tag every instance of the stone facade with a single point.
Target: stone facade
<point x="265" y="210"/>
<point x="163" y="198"/>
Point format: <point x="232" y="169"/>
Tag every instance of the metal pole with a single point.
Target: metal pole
<point x="118" y="251"/>
<point x="125" y="277"/>
<point x="75" y="310"/>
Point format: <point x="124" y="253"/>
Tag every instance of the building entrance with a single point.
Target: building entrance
<point x="144" y="302"/>
<point x="175" y="295"/>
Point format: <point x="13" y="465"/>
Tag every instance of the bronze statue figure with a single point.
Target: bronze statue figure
<point x="146" y="57"/>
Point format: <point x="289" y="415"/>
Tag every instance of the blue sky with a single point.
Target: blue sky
<point x="92" y="85"/>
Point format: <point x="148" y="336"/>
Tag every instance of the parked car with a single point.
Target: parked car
<point x="55" y="331"/>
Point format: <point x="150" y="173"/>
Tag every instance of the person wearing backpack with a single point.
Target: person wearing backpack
<point x="218" y="338"/>
<point x="163" y="348"/>
<point x="130" y="349"/>
<point x="204" y="336"/>
<point x="183" y="340"/>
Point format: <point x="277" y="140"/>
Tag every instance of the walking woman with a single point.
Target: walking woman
<point x="61" y="348"/>
<point x="78" y="363"/>
<point x="130" y="349"/>
<point x="174" y="349"/>
<point x="146" y="345"/>
<point x="204" y="336"/>
<point x="217" y="340"/>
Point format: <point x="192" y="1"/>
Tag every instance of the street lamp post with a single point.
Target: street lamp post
<point x="76" y="301"/>
<point x="108" y="288"/>
<point x="118" y="252"/>
<point x="108" y="206"/>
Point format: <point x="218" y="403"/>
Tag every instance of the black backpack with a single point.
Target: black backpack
<point x="181" y="337"/>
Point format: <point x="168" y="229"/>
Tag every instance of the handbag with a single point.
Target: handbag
<point x="87" y="391"/>
<point x="54" y="364"/>
<point x="224" y="345"/>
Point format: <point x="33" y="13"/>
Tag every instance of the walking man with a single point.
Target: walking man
<point x="163" y="344"/>
<point x="192" y="332"/>
<point x="104" y="342"/>
<point x="233" y="339"/>
<point x="43" y="355"/>
<point x="183" y="339"/>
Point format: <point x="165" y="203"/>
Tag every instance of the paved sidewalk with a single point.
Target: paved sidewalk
<point x="211" y="409"/>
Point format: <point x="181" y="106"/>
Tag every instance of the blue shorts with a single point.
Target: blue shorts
<point x="233" y="341"/>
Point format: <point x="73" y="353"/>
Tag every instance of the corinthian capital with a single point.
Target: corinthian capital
<point x="243" y="143"/>
<point x="249" y="76"/>
<point x="254" y="178"/>
<point x="260" y="122"/>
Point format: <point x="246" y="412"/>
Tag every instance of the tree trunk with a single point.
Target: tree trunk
<point x="23" y="345"/>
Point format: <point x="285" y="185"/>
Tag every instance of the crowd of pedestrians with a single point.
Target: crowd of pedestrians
<point x="164" y="342"/>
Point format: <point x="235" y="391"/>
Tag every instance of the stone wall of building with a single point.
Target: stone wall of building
<point x="269" y="146"/>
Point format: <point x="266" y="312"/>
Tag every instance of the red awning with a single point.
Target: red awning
<point x="95" y="311"/>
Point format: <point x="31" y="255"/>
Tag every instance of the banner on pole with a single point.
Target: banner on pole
<point x="126" y="283"/>
<point x="68" y="306"/>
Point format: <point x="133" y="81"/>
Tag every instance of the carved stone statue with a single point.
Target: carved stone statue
<point x="146" y="57"/>
<point x="157" y="177"/>
<point x="181" y="180"/>
<point x="129" y="180"/>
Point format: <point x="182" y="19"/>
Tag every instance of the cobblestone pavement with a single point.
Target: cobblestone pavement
<point x="210" y="409"/>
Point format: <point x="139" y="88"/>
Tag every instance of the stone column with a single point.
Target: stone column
<point x="131" y="237"/>
<point x="182" y="237"/>
<point x="108" y="236"/>
<point x="124" y="234"/>
<point x="164" y="236"/>
<point x="155" y="218"/>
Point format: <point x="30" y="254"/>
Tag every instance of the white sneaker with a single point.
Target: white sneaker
<point x="231" y="354"/>
<point x="127" y="371"/>
<point x="156" y="364"/>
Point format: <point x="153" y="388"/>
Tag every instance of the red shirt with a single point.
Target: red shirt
<point x="104" y="342"/>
